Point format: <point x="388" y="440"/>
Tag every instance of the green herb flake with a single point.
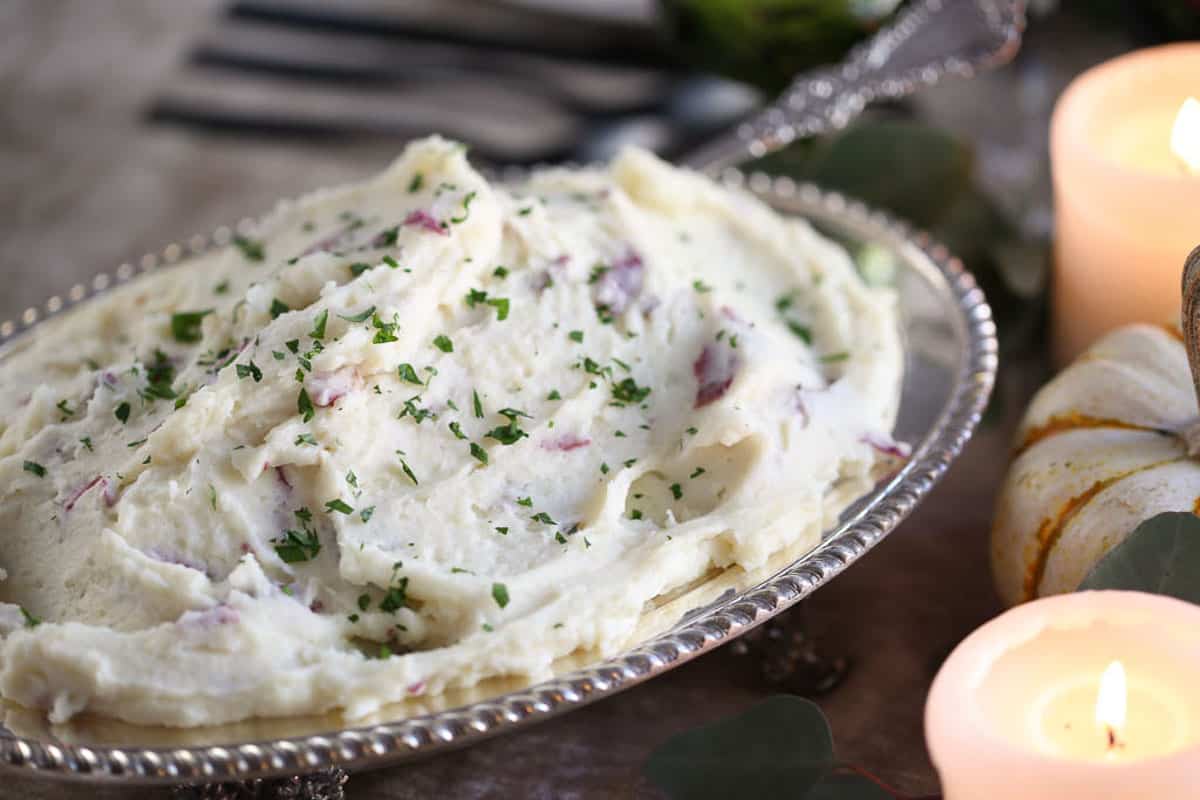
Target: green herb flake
<point x="576" y="336"/>
<point x="86" y="441"/>
<point x="339" y="506"/>
<point x="627" y="391"/>
<point x="306" y="439"/>
<point x="501" y="305"/>
<point x="408" y="471"/>
<point x="293" y="345"/>
<point x="635" y="513"/>
<point x="360" y="317"/>
<point x="696" y="473"/>
<point x="366" y="514"/>
<point x="185" y="325"/>
<point x="480" y="454"/>
<point x="834" y="358"/>
<point x="543" y="518"/>
<point x="478" y="404"/>
<point x="252" y="249"/>
<point x="278" y="307"/>
<point x="466" y="212"/>
<point x="364" y="602"/>
<point x="67" y="411"/>
<point x="701" y="287"/>
<point x="30" y="620"/>
<point x="304" y="405"/>
<point x="395" y="598"/>
<point x="456" y="429"/>
<point x="442" y="342"/>
<point x="297" y="546"/>
<point x="34" y="468"/>
<point x="525" y="501"/>
<point x="502" y="530"/>
<point x="802" y="331"/>
<point x="384" y="331"/>
<point x="500" y="272"/>
<point x="414" y="186"/>
<point x="359" y="267"/>
<point x="249" y="370"/>
<point x="318" y="331"/>
<point x="475" y="297"/>
<point x="221" y="288"/>
<point x="391" y="262"/>
<point x="676" y="491"/>
<point x="604" y="469"/>
<point x="500" y="594"/>
<point x="554" y="395"/>
<point x="408" y="374"/>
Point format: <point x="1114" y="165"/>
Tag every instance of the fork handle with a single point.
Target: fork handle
<point x="928" y="40"/>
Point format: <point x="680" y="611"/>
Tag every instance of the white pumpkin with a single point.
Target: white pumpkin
<point x="1102" y="447"/>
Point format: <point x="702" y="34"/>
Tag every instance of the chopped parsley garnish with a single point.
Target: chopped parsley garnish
<point x="306" y="439"/>
<point x="360" y="317"/>
<point x="35" y="468"/>
<point x="221" y="288"/>
<point x="339" y="506"/>
<point x="293" y="345"/>
<point x="352" y="479"/>
<point x="391" y="262"/>
<point x="457" y="431"/>
<point x="212" y="496"/>
<point x="384" y="331"/>
<point x="408" y="374"/>
<point x="366" y="514"/>
<point x="487" y="628"/>
<point x="66" y="410"/>
<point x="558" y="537"/>
<point x="701" y="287"/>
<point x="408" y="471"/>
<point x="358" y="268"/>
<point x="635" y="513"/>
<point x="507" y="434"/>
<point x="676" y="491"/>
<point x="500" y="272"/>
<point x="395" y="598"/>
<point x="604" y="469"/>
<point x="318" y="331"/>
<point x="474" y="297"/>
<point x="122" y="412"/>
<point x="697" y="472"/>
<point x="627" y="391"/>
<point x="30" y="620"/>
<point x="466" y="212"/>
<point x="387" y="237"/>
<point x="622" y="364"/>
<point x="414" y="186"/>
<point x="543" y="518"/>
<point x="480" y="454"/>
<point x="296" y="546"/>
<point x="278" y="307"/>
<point x="525" y="501"/>
<point x="138" y="443"/>
<point x="502" y="530"/>
<point x="501" y="306"/>
<point x="692" y="430"/>
<point x="278" y="356"/>
<point x="629" y="462"/>
<point x="554" y="395"/>
<point x="576" y="336"/>
<point x="478" y="404"/>
<point x="442" y="342"/>
<point x="597" y="273"/>
<point x="783" y="303"/>
<point x="500" y="594"/>
<point x="185" y="326"/>
<point x="364" y="602"/>
<point x="249" y="370"/>
<point x="252" y="249"/>
<point x="87" y="442"/>
<point x="834" y="358"/>
<point x="304" y="405"/>
<point x="802" y="331"/>
<point x="411" y="409"/>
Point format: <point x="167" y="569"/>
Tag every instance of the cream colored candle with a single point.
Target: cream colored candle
<point x="1085" y="695"/>
<point x="1124" y="155"/>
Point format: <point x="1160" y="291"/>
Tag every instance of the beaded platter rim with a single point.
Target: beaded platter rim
<point x="700" y="630"/>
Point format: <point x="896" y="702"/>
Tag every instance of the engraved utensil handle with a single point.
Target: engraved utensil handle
<point x="928" y="40"/>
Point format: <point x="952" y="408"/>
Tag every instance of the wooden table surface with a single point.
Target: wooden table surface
<point x="84" y="184"/>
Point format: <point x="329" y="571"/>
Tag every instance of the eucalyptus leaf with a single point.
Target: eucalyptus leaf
<point x="836" y="786"/>
<point x="1161" y="556"/>
<point x="779" y="748"/>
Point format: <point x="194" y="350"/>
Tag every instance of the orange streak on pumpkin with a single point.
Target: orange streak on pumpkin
<point x="1173" y="331"/>
<point x="1051" y="529"/>
<point x="1071" y="422"/>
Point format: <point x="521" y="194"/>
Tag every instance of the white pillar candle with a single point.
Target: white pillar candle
<point x="1086" y="695"/>
<point x="1126" y="193"/>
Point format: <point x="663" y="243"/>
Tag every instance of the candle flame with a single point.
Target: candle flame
<point x="1110" y="700"/>
<point x="1185" y="135"/>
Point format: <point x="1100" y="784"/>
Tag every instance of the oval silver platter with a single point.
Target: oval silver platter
<point x="950" y="347"/>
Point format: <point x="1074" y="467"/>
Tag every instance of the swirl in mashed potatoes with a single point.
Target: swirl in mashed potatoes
<point x="419" y="431"/>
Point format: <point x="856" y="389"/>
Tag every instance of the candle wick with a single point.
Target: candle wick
<point x="1113" y="742"/>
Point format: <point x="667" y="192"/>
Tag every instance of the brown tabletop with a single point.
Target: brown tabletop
<point x="84" y="185"/>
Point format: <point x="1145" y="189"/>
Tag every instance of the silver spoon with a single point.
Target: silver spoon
<point x="927" y="41"/>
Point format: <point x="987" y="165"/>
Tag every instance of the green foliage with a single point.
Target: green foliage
<point x="1161" y="556"/>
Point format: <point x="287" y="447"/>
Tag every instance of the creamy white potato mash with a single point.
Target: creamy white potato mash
<point x="419" y="431"/>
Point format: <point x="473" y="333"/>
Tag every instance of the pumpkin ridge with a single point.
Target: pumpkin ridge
<point x="1051" y="529"/>
<point x="1061" y="423"/>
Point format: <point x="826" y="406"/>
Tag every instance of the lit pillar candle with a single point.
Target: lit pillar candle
<point x="1083" y="695"/>
<point x="1125" y="156"/>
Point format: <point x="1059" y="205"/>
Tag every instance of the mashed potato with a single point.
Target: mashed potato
<point x="423" y="430"/>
